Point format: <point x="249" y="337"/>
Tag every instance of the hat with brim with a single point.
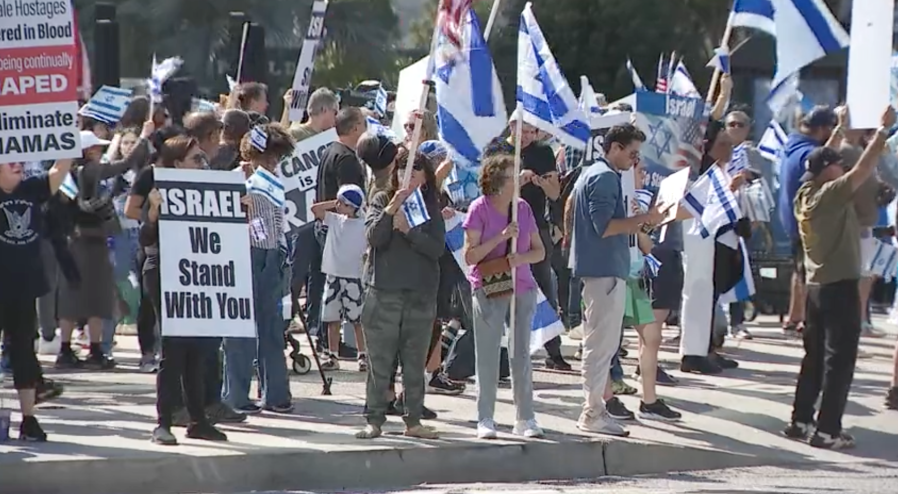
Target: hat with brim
<point x="819" y="160"/>
<point x="89" y="140"/>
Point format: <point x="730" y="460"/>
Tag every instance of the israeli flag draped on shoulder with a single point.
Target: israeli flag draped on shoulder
<point x="268" y="185"/>
<point x="415" y="209"/>
<point x="470" y="107"/>
<point x="806" y="31"/>
<point x="773" y="142"/>
<point x="712" y="203"/>
<point x="545" y="325"/>
<point x="546" y="97"/>
<point x="107" y="105"/>
<point x="754" y="14"/>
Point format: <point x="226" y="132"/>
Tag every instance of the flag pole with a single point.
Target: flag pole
<point x="724" y="43"/>
<point x="494" y="12"/>
<point x="243" y="39"/>
<point x="422" y="106"/>
<point x="519" y="125"/>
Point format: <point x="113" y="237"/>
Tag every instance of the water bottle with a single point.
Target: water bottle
<point x="5" y="421"/>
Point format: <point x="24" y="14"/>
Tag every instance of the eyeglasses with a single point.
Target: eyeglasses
<point x="736" y="124"/>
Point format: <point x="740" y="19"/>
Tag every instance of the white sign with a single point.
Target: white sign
<point x="408" y="94"/>
<point x="204" y="254"/>
<point x="306" y="63"/>
<point x="38" y="82"/>
<point x="299" y="174"/>
<point x="870" y="62"/>
<point x="670" y="192"/>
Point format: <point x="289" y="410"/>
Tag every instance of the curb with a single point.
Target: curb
<point x="369" y="470"/>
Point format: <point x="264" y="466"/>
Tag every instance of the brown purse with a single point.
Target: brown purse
<point x="495" y="274"/>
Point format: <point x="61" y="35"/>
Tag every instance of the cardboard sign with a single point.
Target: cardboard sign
<point x="299" y="174"/>
<point x="869" y="62"/>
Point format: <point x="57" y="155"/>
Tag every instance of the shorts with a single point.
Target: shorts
<point x="667" y="286"/>
<point x="638" y="306"/>
<point x="343" y="300"/>
<point x="869" y="246"/>
<point x="798" y="257"/>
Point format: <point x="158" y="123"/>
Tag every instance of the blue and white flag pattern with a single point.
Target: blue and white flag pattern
<point x="637" y="81"/>
<point x="644" y="198"/>
<point x="806" y="31"/>
<point x="739" y="160"/>
<point x="546" y="323"/>
<point x="159" y="73"/>
<point x="470" y="107"/>
<point x="757" y="201"/>
<point x="378" y="129"/>
<point x="259" y="138"/>
<point x="785" y="95"/>
<point x="653" y="265"/>
<point x="588" y="101"/>
<point x="107" y="105"/>
<point x="267" y="185"/>
<point x="380" y="102"/>
<point x="33" y="169"/>
<point x="547" y="99"/>
<point x="721" y="60"/>
<point x="712" y="203"/>
<point x="773" y="142"/>
<point x="202" y="105"/>
<point x="681" y="82"/>
<point x="415" y="209"/>
<point x="68" y="187"/>
<point x="745" y="287"/>
<point x="755" y="14"/>
<point x="885" y="261"/>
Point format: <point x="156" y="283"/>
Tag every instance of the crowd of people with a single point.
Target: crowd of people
<point x="398" y="285"/>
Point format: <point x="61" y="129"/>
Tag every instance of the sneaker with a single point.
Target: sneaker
<point x="528" y="428"/>
<point x="870" y="330"/>
<point x="658" y="411"/>
<point x="740" y="332"/>
<point x="601" y="425"/>
<point x="206" y="432"/>
<point x="47" y="390"/>
<point x="163" y="437"/>
<point x="578" y="355"/>
<point x="576" y="333"/>
<point x="826" y="441"/>
<point x="219" y="413"/>
<point x="282" y="408"/>
<point x="51" y="347"/>
<point x="363" y="362"/>
<point x="30" y="431"/>
<point x="662" y="378"/>
<point x="792" y="329"/>
<point x="148" y="364"/>
<point x="486" y="429"/>
<point x="441" y="385"/>
<point x="98" y="361"/>
<point x="421" y="432"/>
<point x="699" y="365"/>
<point x="617" y="410"/>
<point x="428" y="414"/>
<point x="67" y="359"/>
<point x="798" y="430"/>
<point x="249" y="409"/>
<point x="623" y="352"/>
<point x="180" y="418"/>
<point x="622" y="388"/>
<point x="892" y="399"/>
<point x="673" y="340"/>
<point x="723" y="362"/>
<point x="330" y="364"/>
<point x="558" y="364"/>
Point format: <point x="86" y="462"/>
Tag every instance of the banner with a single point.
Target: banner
<point x="299" y="174"/>
<point x="38" y="82"/>
<point x="306" y="63"/>
<point x="205" y="272"/>
<point x="675" y="128"/>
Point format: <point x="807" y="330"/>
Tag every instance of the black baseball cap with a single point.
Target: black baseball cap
<point x="819" y="160"/>
<point x="820" y="116"/>
<point x="377" y="151"/>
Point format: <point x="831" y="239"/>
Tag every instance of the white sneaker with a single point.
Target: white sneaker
<point x="49" y="347"/>
<point x="576" y="333"/>
<point x="602" y="425"/>
<point x="870" y="330"/>
<point x="528" y="428"/>
<point x="486" y="429"/>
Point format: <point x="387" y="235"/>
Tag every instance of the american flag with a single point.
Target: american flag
<point x="661" y="81"/>
<point x="449" y="19"/>
<point x="692" y="133"/>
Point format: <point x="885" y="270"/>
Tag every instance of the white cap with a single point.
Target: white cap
<point x="89" y="140"/>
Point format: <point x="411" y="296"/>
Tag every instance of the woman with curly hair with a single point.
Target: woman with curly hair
<point x="263" y="147"/>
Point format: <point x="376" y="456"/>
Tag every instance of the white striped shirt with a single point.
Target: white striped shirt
<point x="266" y="223"/>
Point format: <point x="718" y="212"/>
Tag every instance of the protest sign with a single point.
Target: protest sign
<point x="674" y="127"/>
<point x="38" y="81"/>
<point x="204" y="255"/>
<point x="869" y="61"/>
<point x="299" y="174"/>
<point x="408" y="93"/>
<point x="306" y="63"/>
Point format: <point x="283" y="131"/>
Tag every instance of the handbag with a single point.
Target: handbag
<point x="495" y="274"/>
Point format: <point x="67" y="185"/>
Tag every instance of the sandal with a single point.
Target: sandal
<point x="369" y="432"/>
<point x="422" y="432"/>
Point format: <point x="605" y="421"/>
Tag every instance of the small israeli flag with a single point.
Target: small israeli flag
<point x="773" y="142"/>
<point x="259" y="138"/>
<point x="159" y="73"/>
<point x="644" y="198"/>
<point x="637" y="81"/>
<point x="712" y="203"/>
<point x="653" y="265"/>
<point x="757" y="201"/>
<point x="68" y="187"/>
<point x="107" y="105"/>
<point x="378" y="129"/>
<point x="267" y="185"/>
<point x="739" y="160"/>
<point x="380" y="102"/>
<point x="415" y="210"/>
<point x="681" y="82"/>
<point x="721" y="60"/>
<point x="885" y="261"/>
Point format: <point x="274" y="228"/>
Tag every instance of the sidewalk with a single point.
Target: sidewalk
<point x="99" y="432"/>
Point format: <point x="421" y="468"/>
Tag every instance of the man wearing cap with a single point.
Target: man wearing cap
<point x="819" y="127"/>
<point x="828" y="225"/>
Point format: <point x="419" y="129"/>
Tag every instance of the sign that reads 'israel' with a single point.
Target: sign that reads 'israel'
<point x="204" y="255"/>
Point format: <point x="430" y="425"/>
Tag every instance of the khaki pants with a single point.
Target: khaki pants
<point x="604" y="303"/>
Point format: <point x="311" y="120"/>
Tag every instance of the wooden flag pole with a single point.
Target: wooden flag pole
<point x="518" y="129"/>
<point x="715" y="77"/>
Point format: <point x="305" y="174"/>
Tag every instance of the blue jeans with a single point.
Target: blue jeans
<point x="575" y="297"/>
<point x="124" y="262"/>
<point x="617" y="372"/>
<point x="267" y="348"/>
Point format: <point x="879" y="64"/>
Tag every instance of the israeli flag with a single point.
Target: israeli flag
<point x="721" y="60"/>
<point x="159" y="73"/>
<point x="258" y="138"/>
<point x="739" y="161"/>
<point x="68" y="187"/>
<point x="712" y="203"/>
<point x="470" y="108"/>
<point x="546" y="323"/>
<point x="588" y="101"/>
<point x="415" y="210"/>
<point x="885" y="261"/>
<point x="745" y="288"/>
<point x="757" y="201"/>
<point x="681" y="82"/>
<point x="653" y="265"/>
<point x="107" y="105"/>
<point x="784" y="95"/>
<point x="806" y="31"/>
<point x="754" y="14"/>
<point x="773" y="142"/>
<point x="380" y="102"/>
<point x="202" y="105"/>
<point x="637" y="81"/>
<point x="268" y="185"/>
<point x="231" y="82"/>
<point x="547" y="99"/>
<point x="378" y="129"/>
<point x="644" y="198"/>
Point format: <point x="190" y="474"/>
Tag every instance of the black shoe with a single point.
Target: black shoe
<point x="219" y="413"/>
<point x="347" y="352"/>
<point x="164" y="437"/>
<point x="723" y="362"/>
<point x="892" y="399"/>
<point x="47" y="390"/>
<point x="98" y="361"/>
<point x="395" y="408"/>
<point x="30" y="431"/>
<point x="427" y="414"/>
<point x="825" y="441"/>
<point x="282" y="408"/>
<point x="623" y="353"/>
<point x="662" y="378"/>
<point x="206" y="432"/>
<point x="617" y="410"/>
<point x="67" y="359"/>
<point x="658" y="411"/>
<point x="250" y="409"/>
<point x="798" y="430"/>
<point x="398" y="408"/>
<point x="558" y="364"/>
<point x="699" y="365"/>
<point x="441" y="385"/>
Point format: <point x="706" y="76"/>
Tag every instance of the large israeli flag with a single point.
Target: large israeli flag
<point x="806" y="31"/>
<point x="547" y="99"/>
<point x="712" y="204"/>
<point x="773" y="141"/>
<point x="546" y="323"/>
<point x="755" y="14"/>
<point x="470" y="108"/>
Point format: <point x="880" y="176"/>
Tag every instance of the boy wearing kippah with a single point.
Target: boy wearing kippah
<point x="342" y="264"/>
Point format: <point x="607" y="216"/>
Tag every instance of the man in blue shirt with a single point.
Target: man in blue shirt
<point x="600" y="257"/>
<point x="815" y="129"/>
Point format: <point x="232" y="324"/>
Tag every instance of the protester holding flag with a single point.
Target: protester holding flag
<point x="489" y="232"/>
<point x="402" y="272"/>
